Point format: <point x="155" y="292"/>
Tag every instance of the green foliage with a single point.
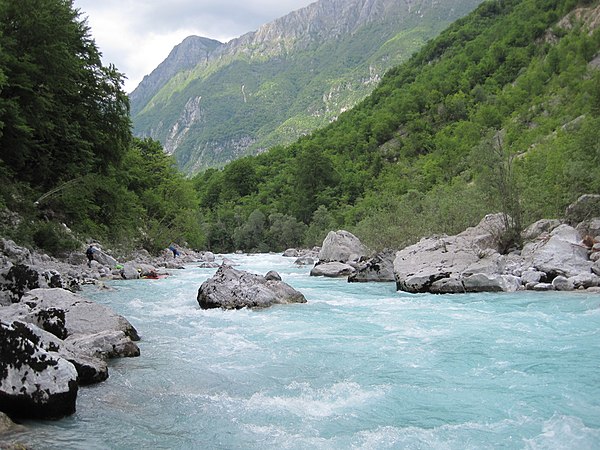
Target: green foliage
<point x="497" y="178"/>
<point x="251" y="235"/>
<point x="486" y="118"/>
<point x="53" y="238"/>
<point x="62" y="111"/>
<point x="66" y="149"/>
<point x="322" y="222"/>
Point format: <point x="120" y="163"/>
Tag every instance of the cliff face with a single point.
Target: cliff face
<point x="209" y="103"/>
<point x="192" y="51"/>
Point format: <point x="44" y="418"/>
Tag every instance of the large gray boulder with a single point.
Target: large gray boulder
<point x="104" y="344"/>
<point x="90" y="369"/>
<point x="104" y="258"/>
<point x="14" y="253"/>
<point x="536" y="229"/>
<point x="231" y="288"/>
<point x="130" y="271"/>
<point x="82" y="316"/>
<point x="342" y="246"/>
<point x="34" y="383"/>
<point x="474" y="251"/>
<point x="481" y="282"/>
<point x="559" y="253"/>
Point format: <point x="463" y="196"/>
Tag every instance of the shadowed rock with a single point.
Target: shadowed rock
<point x="34" y="383"/>
<point x="231" y="288"/>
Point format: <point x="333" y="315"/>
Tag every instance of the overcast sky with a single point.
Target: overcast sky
<point x="137" y="35"/>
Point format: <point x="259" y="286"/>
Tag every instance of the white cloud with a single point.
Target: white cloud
<point x="137" y="35"/>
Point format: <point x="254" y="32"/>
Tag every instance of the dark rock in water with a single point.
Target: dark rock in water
<point x="272" y="276"/>
<point x="230" y="288"/>
<point x="378" y="268"/>
<point x="305" y="261"/>
<point x="34" y="383"/>
<point x="291" y="253"/>
<point x="208" y="265"/>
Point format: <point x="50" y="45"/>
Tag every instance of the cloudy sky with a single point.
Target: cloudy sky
<point x="137" y="35"/>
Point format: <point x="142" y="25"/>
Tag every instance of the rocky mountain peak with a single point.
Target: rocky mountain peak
<point x="192" y="51"/>
<point x="320" y="21"/>
<point x="272" y="85"/>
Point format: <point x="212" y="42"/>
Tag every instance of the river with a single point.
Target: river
<point x="360" y="366"/>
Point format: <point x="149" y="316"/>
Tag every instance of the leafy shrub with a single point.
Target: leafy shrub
<point x="53" y="238"/>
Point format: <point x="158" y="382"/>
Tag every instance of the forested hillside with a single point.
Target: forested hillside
<point x="500" y="112"/>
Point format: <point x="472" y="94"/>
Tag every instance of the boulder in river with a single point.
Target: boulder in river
<point x="474" y="251"/>
<point x="82" y="316"/>
<point x="332" y="269"/>
<point x="559" y="253"/>
<point x="378" y="268"/>
<point x="34" y="383"/>
<point x="231" y="288"/>
<point x="342" y="246"/>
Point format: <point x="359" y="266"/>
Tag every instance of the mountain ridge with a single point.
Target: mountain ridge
<point x="289" y="77"/>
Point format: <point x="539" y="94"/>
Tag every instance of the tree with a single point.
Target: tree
<point x="250" y="236"/>
<point x="321" y="223"/>
<point x="63" y="113"/>
<point x="498" y="178"/>
<point x="284" y="232"/>
<point x="313" y="173"/>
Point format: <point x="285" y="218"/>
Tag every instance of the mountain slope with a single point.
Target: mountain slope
<point x="289" y="77"/>
<point x="501" y="112"/>
<point x="185" y="56"/>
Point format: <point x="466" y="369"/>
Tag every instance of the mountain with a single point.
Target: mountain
<point x="185" y="56"/>
<point x="500" y="112"/>
<point x="209" y="103"/>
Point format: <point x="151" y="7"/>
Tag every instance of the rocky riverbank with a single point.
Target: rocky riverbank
<point x="559" y="255"/>
<point x="52" y="339"/>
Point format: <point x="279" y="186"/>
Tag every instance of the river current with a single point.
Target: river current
<point x="360" y="366"/>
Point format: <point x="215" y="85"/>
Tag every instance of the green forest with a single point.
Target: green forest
<point x="501" y="112"/>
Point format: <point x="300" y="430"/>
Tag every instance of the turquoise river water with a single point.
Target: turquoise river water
<point x="360" y="366"/>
